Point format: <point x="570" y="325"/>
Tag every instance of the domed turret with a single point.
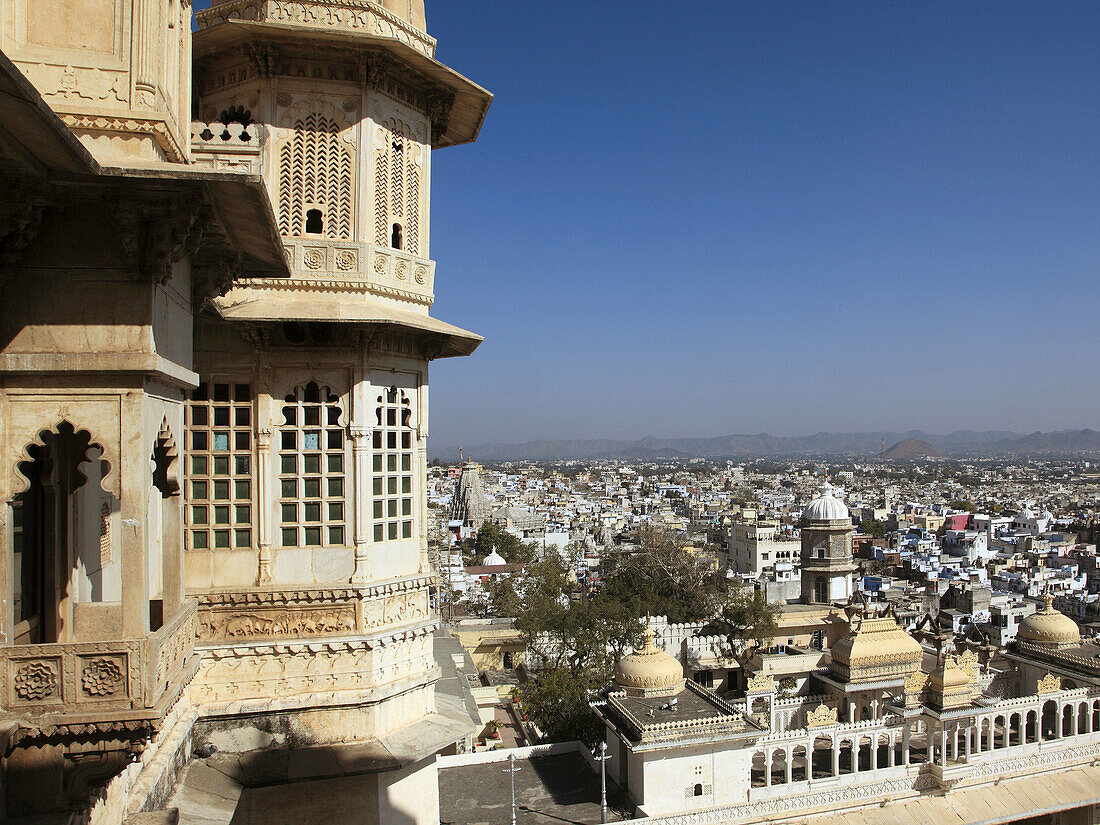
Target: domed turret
<point x="826" y="507"/>
<point x="649" y="671"/>
<point x="876" y="649"/>
<point x="948" y="685"/>
<point x="1049" y="627"/>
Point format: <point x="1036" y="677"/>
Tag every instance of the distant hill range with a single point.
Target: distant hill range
<point x="763" y="445"/>
<point x="913" y="448"/>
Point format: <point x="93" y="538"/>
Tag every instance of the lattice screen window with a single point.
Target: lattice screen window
<point x="393" y="462"/>
<point x="219" y="466"/>
<point x="397" y="192"/>
<point x="312" y="462"/>
<point x="315" y="180"/>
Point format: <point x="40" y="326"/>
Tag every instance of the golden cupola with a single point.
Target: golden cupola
<point x="649" y="671"/>
<point x="1049" y="627"/>
<point x="876" y="649"/>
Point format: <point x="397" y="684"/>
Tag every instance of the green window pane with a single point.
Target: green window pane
<point x="336" y="487"/>
<point x="242" y="489"/>
<point x="391" y="485"/>
<point x="406" y="463"/>
<point x="391" y="441"/>
<point x="290" y="537"/>
<point x="198" y="515"/>
<point x="242" y="538"/>
<point x="221" y="514"/>
<point x="312" y="440"/>
<point x="391" y="530"/>
<point x="198" y="540"/>
<point x="241" y="440"/>
<point x="335" y="439"/>
<point x="379" y="532"/>
<point x="336" y="511"/>
<point x="198" y="490"/>
<point x="221" y="441"/>
<point x="391" y="463"/>
<point x="243" y="514"/>
<point x="406" y="484"/>
<point x="200" y="440"/>
<point x="391" y="508"/>
<point x="198" y="465"/>
<point x="288" y="488"/>
<point x="406" y="529"/>
<point x="199" y="416"/>
<point x="312" y="488"/>
<point x="221" y="490"/>
<point x="313" y="511"/>
<point x="336" y="535"/>
<point x="313" y="536"/>
<point x="336" y="463"/>
<point x="221" y="539"/>
<point x="378" y="463"/>
<point x="406" y="506"/>
<point x="242" y="464"/>
<point x="289" y="440"/>
<point x="221" y="465"/>
<point x="378" y="485"/>
<point x="288" y="464"/>
<point x="311" y="464"/>
<point x="290" y="513"/>
<point x="377" y="509"/>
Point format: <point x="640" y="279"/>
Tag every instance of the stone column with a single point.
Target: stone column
<point x="943" y="746"/>
<point x="361" y="452"/>
<point x="790" y="769"/>
<point x="966" y="743"/>
<point x="836" y="757"/>
<point x="135" y="481"/>
<point x="767" y="769"/>
<point x="891" y="757"/>
<point x="264" y="501"/>
<point x="905" y="745"/>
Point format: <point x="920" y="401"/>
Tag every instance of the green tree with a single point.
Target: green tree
<point x="873" y="527"/>
<point x="557" y="701"/>
<point x="661" y="577"/>
<point x="747" y="622"/>
<point x="512" y="549"/>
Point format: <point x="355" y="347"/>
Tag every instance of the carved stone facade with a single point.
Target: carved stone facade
<point x="214" y="391"/>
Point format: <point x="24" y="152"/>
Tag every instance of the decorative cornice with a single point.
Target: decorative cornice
<point x="344" y="285"/>
<point x="157" y="128"/>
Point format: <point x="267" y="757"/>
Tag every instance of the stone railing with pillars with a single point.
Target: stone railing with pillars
<point x="227" y="147"/>
<point x="90" y="679"/>
<point x="350" y="266"/>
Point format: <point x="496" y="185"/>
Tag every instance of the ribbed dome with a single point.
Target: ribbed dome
<point x="876" y="649"/>
<point x="649" y="671"/>
<point x="947" y="677"/>
<point x="1049" y="627"/>
<point x="826" y="507"/>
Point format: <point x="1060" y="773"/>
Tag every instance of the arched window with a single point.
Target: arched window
<point x="395" y="236"/>
<point x="315" y="222"/>
<point x="311" y="469"/>
<point x="393" y="473"/>
<point x="698" y="789"/>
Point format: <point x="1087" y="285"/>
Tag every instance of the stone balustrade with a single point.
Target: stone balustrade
<point x="88" y="679"/>
<point x="231" y="147"/>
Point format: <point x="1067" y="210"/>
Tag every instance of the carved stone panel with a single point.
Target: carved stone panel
<point x="269" y="622"/>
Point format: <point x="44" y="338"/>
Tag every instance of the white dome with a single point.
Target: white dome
<point x="826" y="507"/>
<point x="494" y="559"/>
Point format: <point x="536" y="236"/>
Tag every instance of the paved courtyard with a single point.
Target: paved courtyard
<point x="549" y="790"/>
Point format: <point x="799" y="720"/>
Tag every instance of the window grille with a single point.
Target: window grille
<point x="312" y="465"/>
<point x="393" y="459"/>
<point x="219" y="466"/>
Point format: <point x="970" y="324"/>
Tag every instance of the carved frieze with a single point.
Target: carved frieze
<point x="72" y="83"/>
<point x="263" y="623"/>
<point x="820" y="717"/>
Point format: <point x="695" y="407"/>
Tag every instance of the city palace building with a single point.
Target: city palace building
<point x="214" y="366"/>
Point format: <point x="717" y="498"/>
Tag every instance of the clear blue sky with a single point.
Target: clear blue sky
<point x="725" y="216"/>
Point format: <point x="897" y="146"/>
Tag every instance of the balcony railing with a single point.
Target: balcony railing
<point x="233" y="147"/>
<point x="90" y="679"/>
